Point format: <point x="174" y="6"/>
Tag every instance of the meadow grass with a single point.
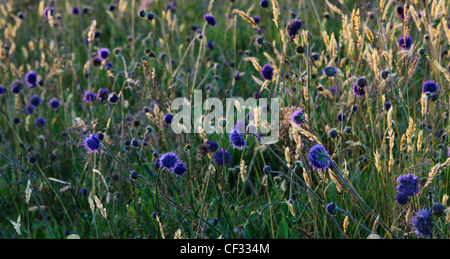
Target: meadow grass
<point x="54" y="184"/>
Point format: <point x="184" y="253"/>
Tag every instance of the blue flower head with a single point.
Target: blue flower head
<point x="267" y="72"/>
<point x="92" y="144"/>
<point x="53" y="104"/>
<point x="222" y="157"/>
<point x="359" y="91"/>
<point x="210" y="19"/>
<point x="168" y="118"/>
<point x="402" y="198"/>
<point x="430" y="87"/>
<point x="89" y="96"/>
<point x="408" y="184"/>
<point x="103" y="53"/>
<point x="179" y="169"/>
<point x="237" y="140"/>
<point x="40" y="122"/>
<point x="405" y="43"/>
<point x="293" y="27"/>
<point x="421" y="223"/>
<point x="212" y="145"/>
<point x="103" y="94"/>
<point x="298" y="117"/>
<point x="318" y="157"/>
<point x="31" y="79"/>
<point x="2" y="90"/>
<point x="329" y="71"/>
<point x="331" y="208"/>
<point x="264" y="3"/>
<point x="35" y="100"/>
<point x="168" y="160"/>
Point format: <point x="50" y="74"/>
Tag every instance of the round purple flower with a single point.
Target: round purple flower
<point x="210" y="45"/>
<point x="16" y="86"/>
<point x="359" y="91"/>
<point x="47" y="10"/>
<point x="405" y="43"/>
<point x="30" y="109"/>
<point x="103" y="94"/>
<point x="298" y="117"/>
<point x="267" y="72"/>
<point x="222" y="157"/>
<point x="401" y="198"/>
<point x="35" y="100"/>
<point x="40" y="122"/>
<point x="318" y="157"/>
<point x="103" y="53"/>
<point x="264" y="3"/>
<point x="293" y="27"/>
<point x="361" y="82"/>
<point x="53" y="104"/>
<point x="421" y="223"/>
<point x="331" y="208"/>
<point x="168" y="118"/>
<point x="387" y="106"/>
<point x="212" y="145"/>
<point x="168" y="160"/>
<point x="89" y="96"/>
<point x="210" y="19"/>
<point x="237" y="140"/>
<point x="401" y="11"/>
<point x="113" y="98"/>
<point x="341" y="117"/>
<point x="92" y="144"/>
<point x="31" y="79"/>
<point x="408" y="184"/>
<point x="75" y="10"/>
<point x="2" y="90"/>
<point x="179" y="169"/>
<point x="329" y="71"/>
<point x="430" y="87"/>
<point x="257" y="19"/>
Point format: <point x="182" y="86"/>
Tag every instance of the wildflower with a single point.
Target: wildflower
<point x="133" y="175"/>
<point x="359" y="91"/>
<point x="300" y="50"/>
<point x="53" y="104"/>
<point x="405" y="43"/>
<point x="237" y="140"/>
<point x="318" y="157"/>
<point x="401" y="11"/>
<point x="35" y="100"/>
<point x="210" y="19"/>
<point x="264" y="3"/>
<point x="102" y="94"/>
<point x="47" y="11"/>
<point x="16" y="120"/>
<point x="361" y="82"/>
<point x="210" y="45"/>
<point x="30" y="109"/>
<point x="212" y="145"/>
<point x="341" y="117"/>
<point x="40" y="122"/>
<point x="92" y="144"/>
<point x="267" y="72"/>
<point x="401" y="198"/>
<point x="31" y="79"/>
<point x="222" y="157"/>
<point x="75" y="10"/>
<point x="438" y="210"/>
<point x="103" y="53"/>
<point x="408" y="184"/>
<point x="333" y="133"/>
<point x="430" y="87"/>
<point x="113" y="98"/>
<point x="158" y="164"/>
<point x="293" y="27"/>
<point x="331" y="208"/>
<point x="329" y="71"/>
<point x="168" y="118"/>
<point x="267" y="169"/>
<point x="111" y="7"/>
<point x="384" y="74"/>
<point x="168" y="160"/>
<point x="179" y="169"/>
<point x="421" y="223"/>
<point x="298" y="117"/>
<point x="387" y="106"/>
<point x="257" y="19"/>
<point x="2" y="90"/>
<point x="89" y="96"/>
